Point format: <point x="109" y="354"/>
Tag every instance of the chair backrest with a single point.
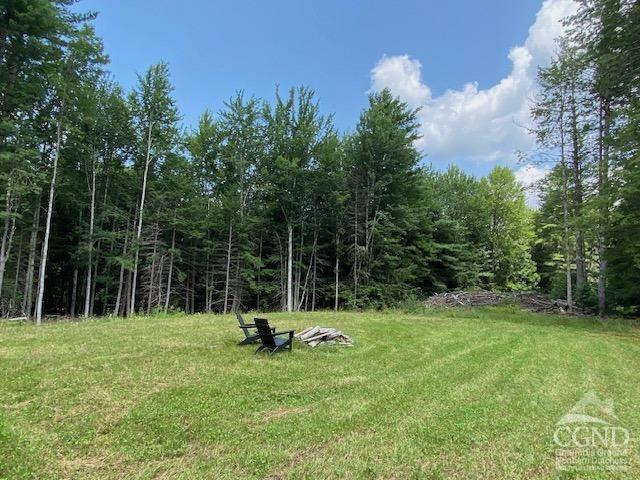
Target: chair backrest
<point x="242" y="324"/>
<point x="264" y="330"/>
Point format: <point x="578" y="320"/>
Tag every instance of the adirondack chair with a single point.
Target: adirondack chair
<point x="269" y="337"/>
<point x="249" y="330"/>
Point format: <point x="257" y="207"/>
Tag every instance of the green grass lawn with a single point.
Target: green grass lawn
<point x="455" y="394"/>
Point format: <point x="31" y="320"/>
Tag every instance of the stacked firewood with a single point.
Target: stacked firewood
<point x="314" y="336"/>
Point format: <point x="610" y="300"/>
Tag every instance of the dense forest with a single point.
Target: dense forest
<point x="111" y="206"/>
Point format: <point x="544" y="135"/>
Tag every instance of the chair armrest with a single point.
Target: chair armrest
<point x="251" y="325"/>
<point x="285" y="332"/>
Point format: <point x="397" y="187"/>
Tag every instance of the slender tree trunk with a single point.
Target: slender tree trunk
<point x="315" y="271"/>
<point x="289" y="268"/>
<point x="121" y="280"/>
<point x="603" y="191"/>
<point x="565" y="209"/>
<point x="16" y="279"/>
<point x="27" y="301"/>
<point x="297" y="299"/>
<point x="132" y="303"/>
<point x="47" y="228"/>
<point x="283" y="293"/>
<point x="336" y="271"/>
<point x="193" y="286"/>
<point x="87" y="297"/>
<point x="581" y="272"/>
<point x="94" y="280"/>
<point x="167" y="297"/>
<point x="160" y="273"/>
<point x="259" y="272"/>
<point x="7" y="234"/>
<point x="355" y="252"/>
<point x="226" y="283"/>
<point x="153" y="269"/>
<point x="74" y="293"/>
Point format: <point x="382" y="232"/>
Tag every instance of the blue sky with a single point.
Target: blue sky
<point x="448" y="57"/>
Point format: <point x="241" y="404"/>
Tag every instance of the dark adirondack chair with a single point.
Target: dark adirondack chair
<point x="269" y="337"/>
<point x="249" y="330"/>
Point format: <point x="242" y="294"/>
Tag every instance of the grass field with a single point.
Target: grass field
<point x="456" y="394"/>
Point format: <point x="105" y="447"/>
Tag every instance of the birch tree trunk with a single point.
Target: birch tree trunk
<point x="132" y="302"/>
<point x="87" y="297"/>
<point x="47" y="228"/>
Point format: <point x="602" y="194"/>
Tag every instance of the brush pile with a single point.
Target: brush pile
<point x="314" y="336"/>
<point x="477" y="298"/>
<point x="535" y="302"/>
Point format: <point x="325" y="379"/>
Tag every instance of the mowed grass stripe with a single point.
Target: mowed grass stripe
<point x="450" y="394"/>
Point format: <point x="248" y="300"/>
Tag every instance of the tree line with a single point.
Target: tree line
<point x="587" y="117"/>
<point x="112" y="207"/>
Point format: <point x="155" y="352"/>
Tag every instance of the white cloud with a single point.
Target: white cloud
<point x="402" y="76"/>
<point x="529" y="176"/>
<point x="476" y="124"/>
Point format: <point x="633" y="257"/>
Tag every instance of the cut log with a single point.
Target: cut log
<point x="314" y="336"/>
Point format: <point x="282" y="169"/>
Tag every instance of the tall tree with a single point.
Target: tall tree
<point x="155" y="119"/>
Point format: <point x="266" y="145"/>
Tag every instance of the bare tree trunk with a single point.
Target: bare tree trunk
<point x="315" y="271"/>
<point x="186" y="295"/>
<point x="116" y="309"/>
<point x="193" y="286"/>
<point x="160" y="272"/>
<point x="16" y="279"/>
<point x="565" y="208"/>
<point x="603" y="191"/>
<point x="132" y="303"/>
<point x="47" y="228"/>
<point x="581" y="271"/>
<point x="7" y="235"/>
<point x="336" y="271"/>
<point x="74" y="293"/>
<point x="283" y="296"/>
<point x="167" y="297"/>
<point x="355" y="252"/>
<point x="297" y="298"/>
<point x="87" y="297"/>
<point x="259" y="272"/>
<point x="153" y="268"/>
<point x="290" y="268"/>
<point x="226" y="283"/>
<point x="27" y="301"/>
<point x="93" y="286"/>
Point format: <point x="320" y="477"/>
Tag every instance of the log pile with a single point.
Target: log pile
<point x="314" y="336"/>
<point x="535" y="302"/>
